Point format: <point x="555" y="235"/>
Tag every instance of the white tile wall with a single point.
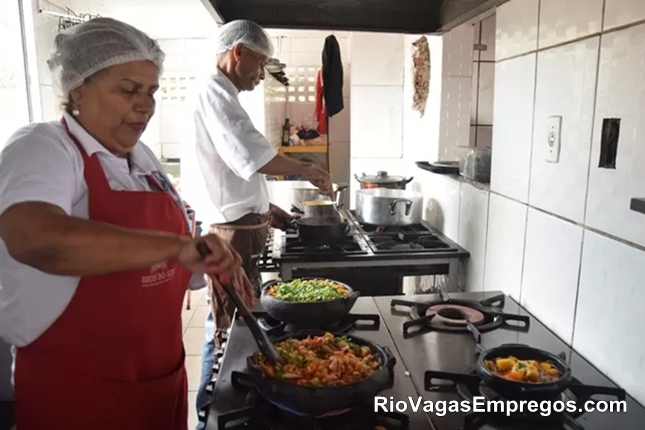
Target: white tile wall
<point x="564" y="20"/>
<point x="505" y="246"/>
<point x="377" y="117"/>
<point x="486" y="93"/>
<point x="473" y="218"/>
<point x="566" y="86"/>
<point x="517" y="28"/>
<point x="513" y="119"/>
<point x="442" y="197"/>
<point x="455" y="121"/>
<point x="621" y="94"/>
<point x="622" y="12"/>
<point x="488" y="39"/>
<point x="551" y="263"/>
<point x="377" y="59"/>
<point x="458" y="51"/>
<point x="610" y="316"/>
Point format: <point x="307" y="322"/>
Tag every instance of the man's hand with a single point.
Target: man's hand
<point x="222" y="259"/>
<point x="279" y="218"/>
<point x="240" y="283"/>
<point x="319" y="178"/>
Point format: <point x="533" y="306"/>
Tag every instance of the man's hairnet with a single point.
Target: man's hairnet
<point x="248" y="34"/>
<point x="97" y="44"/>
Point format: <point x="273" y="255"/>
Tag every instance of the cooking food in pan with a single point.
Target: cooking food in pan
<point x="322" y="361"/>
<point x="308" y="290"/>
<point x="513" y="369"/>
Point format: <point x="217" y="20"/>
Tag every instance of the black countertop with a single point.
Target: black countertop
<point x="449" y="352"/>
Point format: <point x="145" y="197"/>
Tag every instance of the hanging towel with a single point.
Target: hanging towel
<point x="332" y="73"/>
<point x="321" y="112"/>
<point x="420" y="74"/>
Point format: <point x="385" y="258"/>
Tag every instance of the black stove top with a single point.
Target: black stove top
<point x="425" y="361"/>
<point x="229" y="401"/>
<point x="456" y="353"/>
<point x="293" y="246"/>
<point x="454" y="315"/>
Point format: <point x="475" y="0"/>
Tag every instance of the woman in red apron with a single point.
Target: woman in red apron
<point x="113" y="358"/>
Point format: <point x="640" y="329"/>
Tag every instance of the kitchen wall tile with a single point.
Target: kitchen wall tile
<point x="458" y="51"/>
<point x="173" y="46"/>
<point x="51" y="103"/>
<point x="513" y="119"/>
<point x="377" y="116"/>
<point x="620" y="94"/>
<point x="484" y="137"/>
<point x="377" y="59"/>
<point x="623" y="12"/>
<point x="505" y="246"/>
<point x="564" y="20"/>
<point x="517" y="28"/>
<point x="171" y="130"/>
<point x="486" y="93"/>
<point x="171" y="150"/>
<point x="442" y="196"/>
<point x="340" y="156"/>
<point x="476" y="39"/>
<point x="611" y="286"/>
<point x="488" y="39"/>
<point x="566" y="87"/>
<point x="455" y="124"/>
<point x="474" y="93"/>
<point x="307" y="59"/>
<point x="551" y="263"/>
<point x="473" y="219"/>
<point x="472" y="140"/>
<point x="305" y="45"/>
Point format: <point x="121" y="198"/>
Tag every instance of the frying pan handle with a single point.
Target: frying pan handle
<point x="259" y="335"/>
<point x="390" y="359"/>
<point x="351" y="296"/>
<point x="407" y="181"/>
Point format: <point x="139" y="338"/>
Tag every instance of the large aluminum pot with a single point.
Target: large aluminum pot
<point x="287" y="194"/>
<point x="385" y="207"/>
<point x="383" y="180"/>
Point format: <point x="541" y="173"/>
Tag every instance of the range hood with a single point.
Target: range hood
<point x="382" y="16"/>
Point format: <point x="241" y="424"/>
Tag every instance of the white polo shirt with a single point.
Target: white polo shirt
<point x="221" y="156"/>
<point x="41" y="163"/>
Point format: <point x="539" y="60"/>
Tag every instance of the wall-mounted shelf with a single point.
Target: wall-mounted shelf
<point x="638" y="205"/>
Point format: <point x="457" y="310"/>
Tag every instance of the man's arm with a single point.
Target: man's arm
<point x="281" y="165"/>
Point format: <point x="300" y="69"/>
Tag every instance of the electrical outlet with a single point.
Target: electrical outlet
<point x="554" y="129"/>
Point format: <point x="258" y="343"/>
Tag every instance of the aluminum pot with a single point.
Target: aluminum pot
<point x="286" y="194"/>
<point x="385" y="207"/>
<point x="383" y="180"/>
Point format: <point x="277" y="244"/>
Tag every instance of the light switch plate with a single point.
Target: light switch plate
<point x="553" y="138"/>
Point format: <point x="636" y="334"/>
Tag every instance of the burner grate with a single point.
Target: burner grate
<point x="264" y="415"/>
<point x="358" y="322"/>
<point x="469" y="385"/>
<point x="461" y="316"/>
<point x="265" y="262"/>
<point x="293" y="246"/>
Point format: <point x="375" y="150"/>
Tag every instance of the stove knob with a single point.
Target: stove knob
<point x="216" y="368"/>
<point x="210" y="388"/>
<point x="219" y="352"/>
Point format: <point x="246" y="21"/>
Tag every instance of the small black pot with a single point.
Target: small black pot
<point x="317" y="401"/>
<point x="312" y="315"/>
<point x="523" y="390"/>
<point x="322" y="231"/>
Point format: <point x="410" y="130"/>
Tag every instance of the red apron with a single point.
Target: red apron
<point x="114" y="360"/>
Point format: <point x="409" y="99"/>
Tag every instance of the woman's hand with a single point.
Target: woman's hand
<point x="222" y="258"/>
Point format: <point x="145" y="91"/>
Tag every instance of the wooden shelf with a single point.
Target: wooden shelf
<point x="303" y="149"/>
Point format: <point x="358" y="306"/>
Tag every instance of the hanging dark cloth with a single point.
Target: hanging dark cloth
<point x="332" y="74"/>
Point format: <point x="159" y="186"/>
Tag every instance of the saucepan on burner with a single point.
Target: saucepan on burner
<point x="322" y="231"/>
<point x="308" y="302"/>
<point x="312" y="380"/>
<point x="520" y="371"/>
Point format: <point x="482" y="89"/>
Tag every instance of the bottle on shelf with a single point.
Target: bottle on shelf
<point x="286" y="133"/>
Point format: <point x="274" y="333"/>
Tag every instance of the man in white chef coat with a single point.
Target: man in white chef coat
<point x="223" y="166"/>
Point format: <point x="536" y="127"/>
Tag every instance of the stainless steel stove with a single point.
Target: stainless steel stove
<point x="374" y="260"/>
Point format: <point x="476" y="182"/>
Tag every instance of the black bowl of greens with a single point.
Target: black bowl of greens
<point x="308" y="302"/>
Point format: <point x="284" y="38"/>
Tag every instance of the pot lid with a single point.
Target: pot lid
<point x="381" y="177"/>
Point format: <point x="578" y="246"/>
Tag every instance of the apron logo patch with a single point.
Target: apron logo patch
<point x="159" y="273"/>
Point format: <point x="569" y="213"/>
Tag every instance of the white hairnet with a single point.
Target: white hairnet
<point x="96" y="45"/>
<point x="248" y="34"/>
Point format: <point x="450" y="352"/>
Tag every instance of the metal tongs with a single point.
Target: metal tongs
<point x="264" y="343"/>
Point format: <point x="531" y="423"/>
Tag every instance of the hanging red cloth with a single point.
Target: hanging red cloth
<point x="321" y="110"/>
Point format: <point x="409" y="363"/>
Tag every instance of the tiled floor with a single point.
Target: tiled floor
<point x="193" y="322"/>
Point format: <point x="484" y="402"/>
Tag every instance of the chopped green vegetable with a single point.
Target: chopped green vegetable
<point x="309" y="290"/>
